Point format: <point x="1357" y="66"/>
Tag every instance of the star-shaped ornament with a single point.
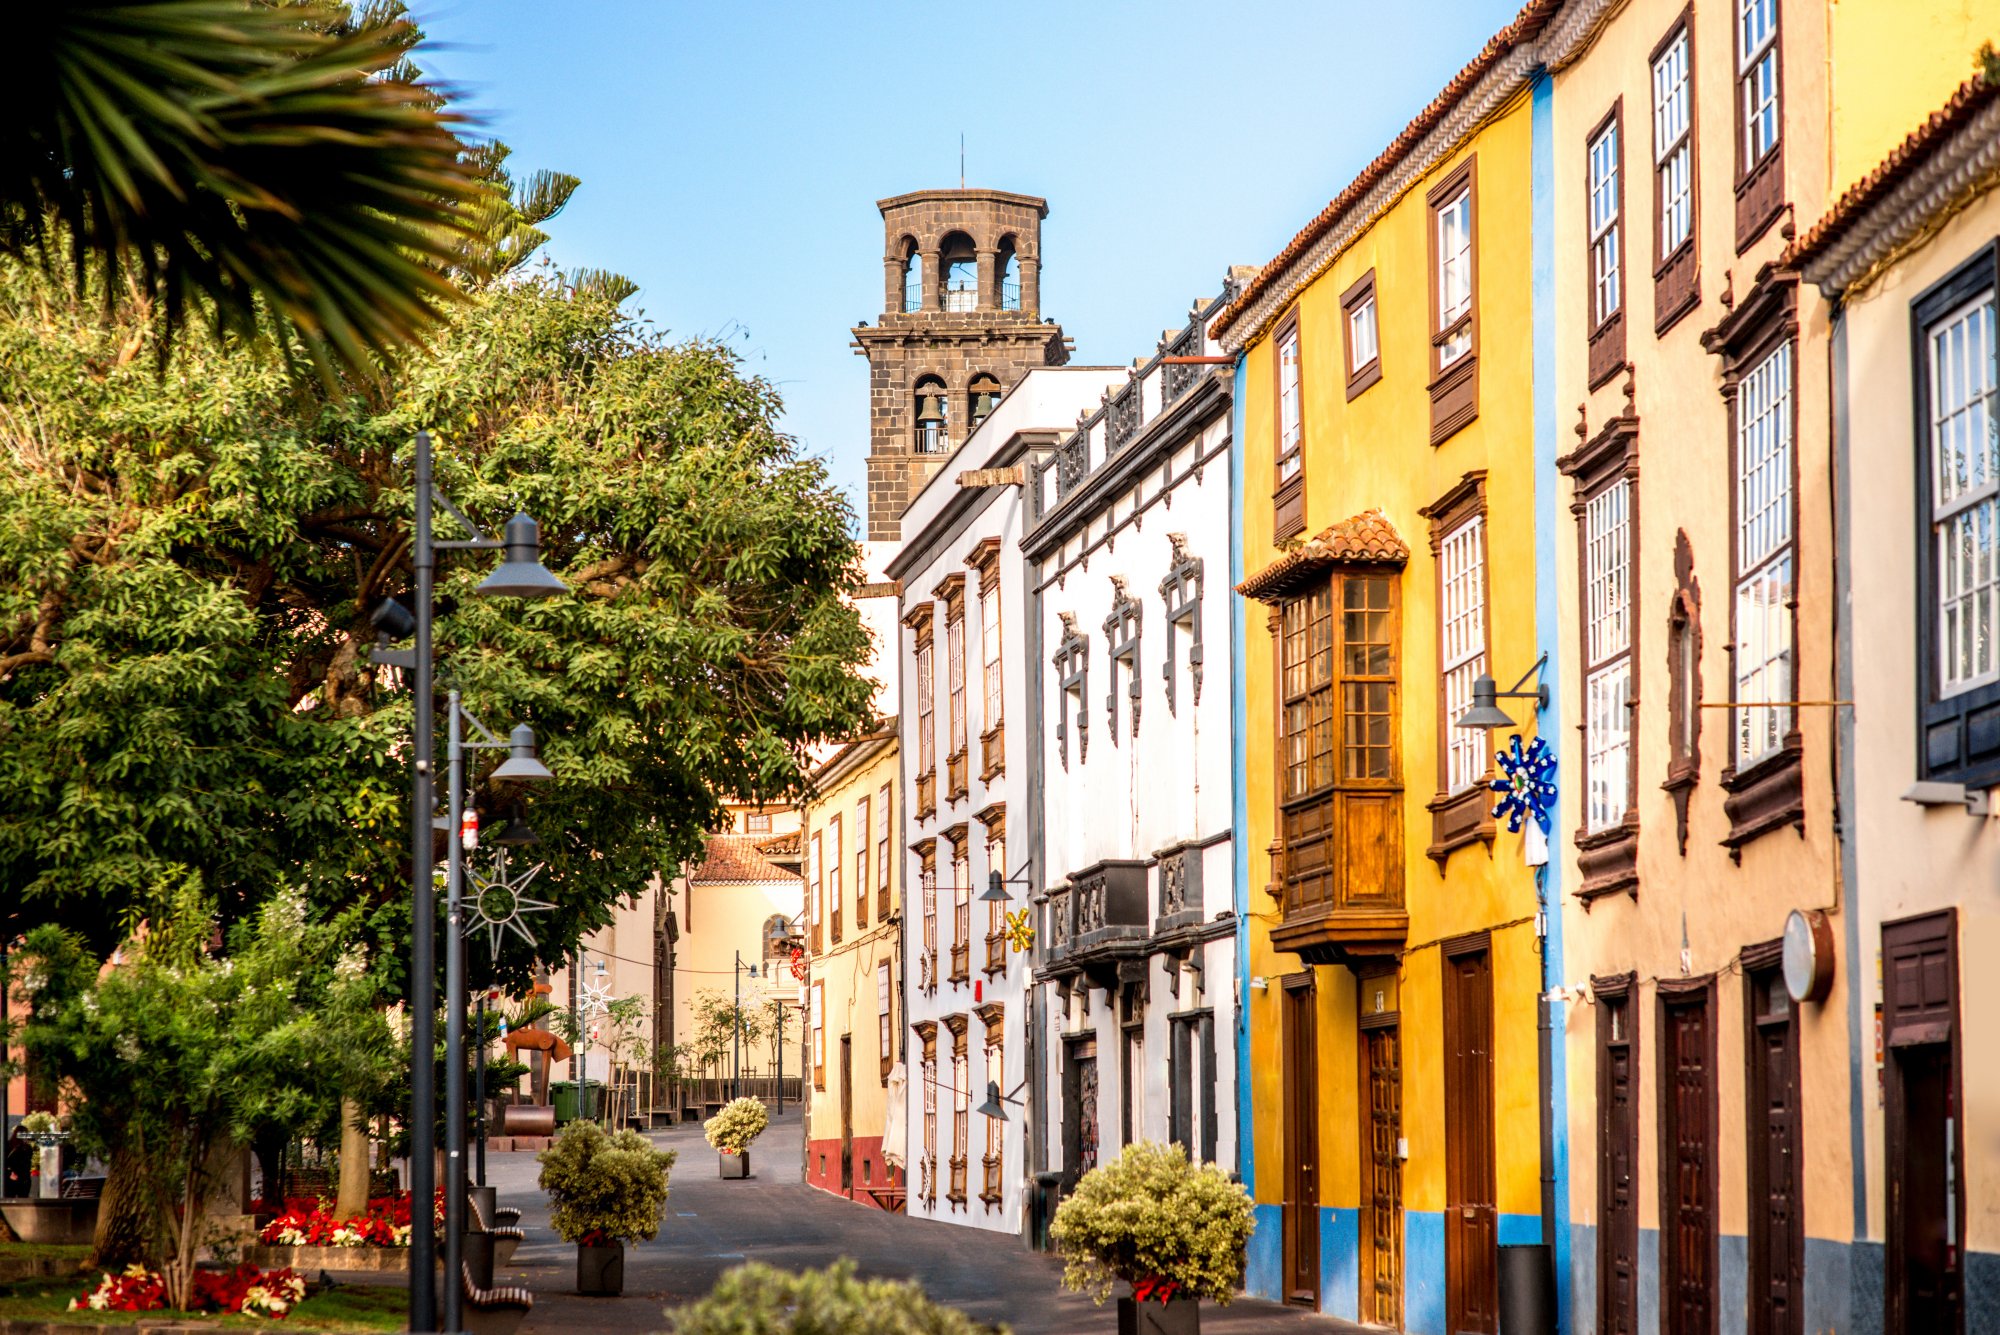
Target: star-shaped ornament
<point x="499" y="902"/>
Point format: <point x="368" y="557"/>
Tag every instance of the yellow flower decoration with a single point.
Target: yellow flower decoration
<point x="1020" y="932"/>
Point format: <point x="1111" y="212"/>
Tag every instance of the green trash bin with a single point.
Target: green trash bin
<point x="563" y="1094"/>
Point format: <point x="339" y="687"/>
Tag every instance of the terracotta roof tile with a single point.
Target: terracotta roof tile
<point x="734" y="859"/>
<point x="1530" y="21"/>
<point x="1971" y="97"/>
<point x="786" y="845"/>
<point x="1366" y="539"/>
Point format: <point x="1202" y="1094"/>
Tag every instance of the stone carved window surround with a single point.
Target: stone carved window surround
<point x="1121" y="637"/>
<point x="1181" y="591"/>
<point x="1072" y="664"/>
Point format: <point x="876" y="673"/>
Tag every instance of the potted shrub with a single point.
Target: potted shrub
<point x="756" y="1297"/>
<point x="45" y="1131"/>
<point x="605" y="1189"/>
<point x="731" y="1130"/>
<point x="1175" y="1231"/>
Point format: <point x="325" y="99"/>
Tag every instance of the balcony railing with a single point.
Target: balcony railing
<point x="992" y="754"/>
<point x="956" y="1192"/>
<point x="1059" y="928"/>
<point x="954" y="775"/>
<point x="927" y="795"/>
<point x="996" y="952"/>
<point x="989" y="1189"/>
<point x="1338" y="879"/>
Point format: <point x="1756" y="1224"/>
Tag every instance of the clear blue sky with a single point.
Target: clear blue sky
<point x="731" y="153"/>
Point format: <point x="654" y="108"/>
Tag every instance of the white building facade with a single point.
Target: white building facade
<point x="965" y="812"/>
<point x="1127" y="573"/>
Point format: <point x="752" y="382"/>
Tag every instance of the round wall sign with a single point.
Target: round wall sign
<point x="1808" y="955"/>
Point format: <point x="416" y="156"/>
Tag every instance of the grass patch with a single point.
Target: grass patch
<point x="349" y="1309"/>
<point x="45" y="1251"/>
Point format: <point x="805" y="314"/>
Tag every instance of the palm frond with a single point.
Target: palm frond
<point x="240" y="159"/>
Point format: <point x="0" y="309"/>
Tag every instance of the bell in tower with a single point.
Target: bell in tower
<point x="961" y="324"/>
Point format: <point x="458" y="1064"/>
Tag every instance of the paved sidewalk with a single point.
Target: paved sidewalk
<point x="774" y="1217"/>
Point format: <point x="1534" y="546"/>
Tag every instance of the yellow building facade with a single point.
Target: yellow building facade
<point x="853" y="982"/>
<point x="1388" y="548"/>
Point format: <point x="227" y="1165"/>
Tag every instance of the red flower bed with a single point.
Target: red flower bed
<point x="312" y="1223"/>
<point x="246" y="1289"/>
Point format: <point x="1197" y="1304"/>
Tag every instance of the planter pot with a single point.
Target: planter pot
<point x="600" y="1270"/>
<point x="735" y="1165"/>
<point x="1176" y="1316"/>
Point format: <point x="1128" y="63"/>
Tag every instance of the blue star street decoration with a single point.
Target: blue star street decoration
<point x="1527" y="785"/>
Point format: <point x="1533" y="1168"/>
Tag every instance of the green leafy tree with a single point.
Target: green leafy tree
<point x="720" y="1024"/>
<point x="268" y="164"/>
<point x="175" y="1056"/>
<point x="188" y="564"/>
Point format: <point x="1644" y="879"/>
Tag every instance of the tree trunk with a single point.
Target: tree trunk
<point x="125" y="1218"/>
<point x="351" y="1198"/>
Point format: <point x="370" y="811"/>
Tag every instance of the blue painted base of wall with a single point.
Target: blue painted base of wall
<point x="1264" y="1263"/>
<point x="1423" y="1272"/>
<point x="1340" y="1263"/>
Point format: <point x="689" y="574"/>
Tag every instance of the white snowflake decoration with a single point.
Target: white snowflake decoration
<point x="499" y="902"/>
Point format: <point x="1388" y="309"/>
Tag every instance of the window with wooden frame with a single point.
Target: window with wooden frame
<point x="883" y="900"/>
<point x="961" y="906"/>
<point x="961" y="1110"/>
<point x="1288" y="499"/>
<point x="952" y="591"/>
<point x="885" y="1028"/>
<point x="1958" y="471"/>
<point x="994" y="818"/>
<point x="921" y="621"/>
<point x="1460" y="811"/>
<point x="1676" y="280"/>
<point x="1341" y="777"/>
<point x="927" y="1171"/>
<point x="996" y="1127"/>
<point x="1454" y="282"/>
<point x="927" y="958"/>
<point x="1605" y="236"/>
<point x="1760" y="120"/>
<point x="1605" y="473"/>
<point x="1757" y="342"/>
<point x="815" y="901"/>
<point x="833" y="864"/>
<point x="992" y="746"/>
<point x="861" y="861"/>
<point x="1683" y="686"/>
<point x="818" y="1021"/>
<point x="1361" y="334"/>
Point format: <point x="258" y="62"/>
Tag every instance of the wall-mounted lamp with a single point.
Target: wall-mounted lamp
<point x="1486" y="713"/>
<point x="996" y="886"/>
<point x="1257" y="983"/>
<point x="992" y="1107"/>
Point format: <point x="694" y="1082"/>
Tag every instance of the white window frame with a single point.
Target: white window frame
<point x="989" y="651"/>
<point x="1363" y="339"/>
<point x="1607" y="605"/>
<point x="1764" y="566"/>
<point x="1959" y="357"/>
<point x="1454" y="275"/>
<point x="1606" y="214"/>
<point x="1462" y="646"/>
<point x="883" y="995"/>
<point x="954" y="658"/>
<point x="1673" y="144"/>
<point x="1758" y="79"/>
<point x="1291" y="406"/>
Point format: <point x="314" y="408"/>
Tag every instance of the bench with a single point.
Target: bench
<point x="496" y="1311"/>
<point x="83" y="1189"/>
<point x="506" y="1237"/>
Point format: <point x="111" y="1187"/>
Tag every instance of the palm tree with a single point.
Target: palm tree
<point x="254" y="162"/>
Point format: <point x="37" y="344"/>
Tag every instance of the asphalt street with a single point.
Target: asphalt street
<point x="773" y="1217"/>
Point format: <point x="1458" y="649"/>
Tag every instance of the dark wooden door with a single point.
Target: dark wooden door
<point x="1687" y="1165"/>
<point x="1617" y="1164"/>
<point x="1922" y="1124"/>
<point x="1382" y="1177"/>
<point x="847" y="1113"/>
<point x="1777" y="1225"/>
<point x="1079" y="1110"/>
<point x="1471" y="1219"/>
<point x="1301" y="1097"/>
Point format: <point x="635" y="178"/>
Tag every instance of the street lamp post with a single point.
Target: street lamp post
<point x="520" y="576"/>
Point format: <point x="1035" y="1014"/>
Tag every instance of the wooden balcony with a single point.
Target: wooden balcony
<point x="989" y="1188"/>
<point x="927" y="795"/>
<point x="955" y="1193"/>
<point x="996" y="952"/>
<point x="1338" y="880"/>
<point x="1101" y="917"/>
<point x="954" y="775"/>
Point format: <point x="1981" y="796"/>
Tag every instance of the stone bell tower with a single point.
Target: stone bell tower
<point x="961" y="322"/>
